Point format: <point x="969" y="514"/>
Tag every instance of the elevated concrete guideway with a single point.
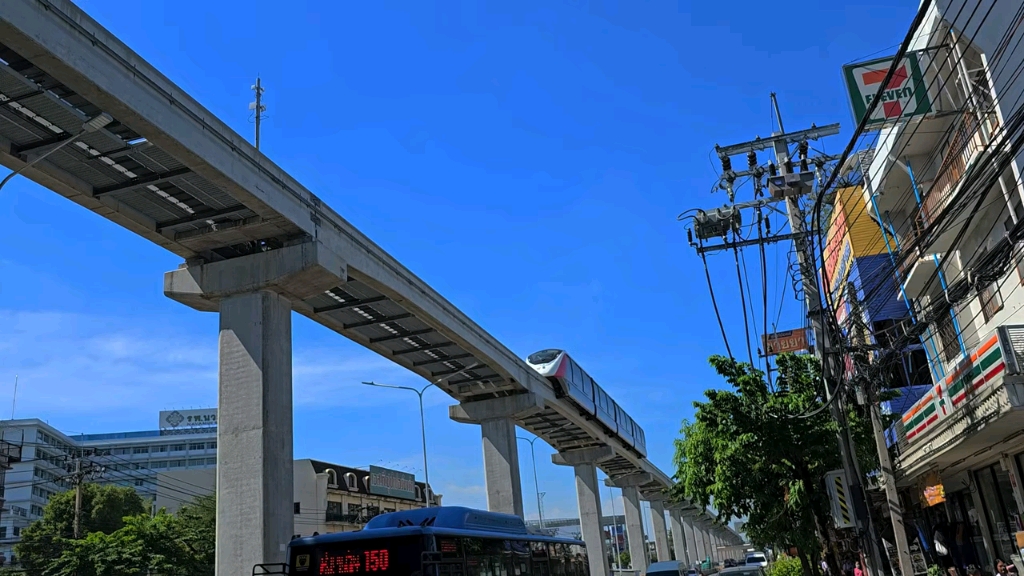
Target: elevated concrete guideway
<point x="256" y="245"/>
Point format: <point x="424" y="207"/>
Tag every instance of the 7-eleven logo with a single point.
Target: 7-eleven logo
<point x="895" y="90"/>
<point x="902" y="96"/>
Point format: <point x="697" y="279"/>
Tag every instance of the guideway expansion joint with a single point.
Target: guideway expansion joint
<point x="497" y="419"/>
<point x="295" y="272"/>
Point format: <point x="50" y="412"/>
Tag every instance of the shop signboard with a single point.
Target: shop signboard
<point x="926" y="412"/>
<point x="385" y="482"/>
<point x="905" y="95"/>
<point x="787" y="341"/>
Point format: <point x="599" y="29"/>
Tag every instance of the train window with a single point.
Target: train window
<point x="577" y="374"/>
<point x="543" y="357"/>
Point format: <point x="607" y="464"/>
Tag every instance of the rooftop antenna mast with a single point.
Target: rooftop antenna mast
<point x="258" y="108"/>
<point x="14" y="402"/>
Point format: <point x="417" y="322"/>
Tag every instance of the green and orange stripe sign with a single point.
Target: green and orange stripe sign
<point x="925" y="412"/>
<point x="984" y="365"/>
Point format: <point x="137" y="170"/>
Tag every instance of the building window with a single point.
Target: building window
<point x="17" y="531"/>
<point x="298" y="508"/>
<point x="162" y="448"/>
<point x="177" y="464"/>
<point x="3" y="531"/>
<point x="350" y="481"/>
<point x="366" y="482"/>
<point x="211" y="445"/>
<point x="140" y="450"/>
<point x="197" y="461"/>
<point x="332" y="477"/>
<point x="122" y="451"/>
<point x="419" y="493"/>
<point x="158" y="464"/>
<point x="36" y="510"/>
<point x="177" y="447"/>
<point x="948" y="337"/>
<point x="211" y="461"/>
<point x="991" y="301"/>
<point x="140" y="482"/>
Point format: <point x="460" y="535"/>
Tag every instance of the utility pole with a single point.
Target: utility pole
<point x="78" y="498"/>
<point x="787" y="183"/>
<point x="888" y="479"/>
<point x="78" y="477"/>
<point x="812" y="297"/>
<point x="258" y="108"/>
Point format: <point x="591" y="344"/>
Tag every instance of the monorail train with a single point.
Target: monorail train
<point x="570" y="381"/>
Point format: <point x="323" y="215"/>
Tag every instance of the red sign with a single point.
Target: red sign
<point x="788" y="341"/>
<point x="354" y="562"/>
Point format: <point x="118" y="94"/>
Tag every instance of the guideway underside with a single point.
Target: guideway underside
<point x="258" y="245"/>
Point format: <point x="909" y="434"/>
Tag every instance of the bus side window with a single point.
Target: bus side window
<point x="580" y="565"/>
<point x="539" y="559"/>
<point x="486" y="557"/>
<point x="557" y="560"/>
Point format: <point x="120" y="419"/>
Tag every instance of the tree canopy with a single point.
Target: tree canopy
<point x="119" y="537"/>
<point x="762" y="451"/>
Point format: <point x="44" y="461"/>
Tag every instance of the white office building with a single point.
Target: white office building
<point x="168" y="466"/>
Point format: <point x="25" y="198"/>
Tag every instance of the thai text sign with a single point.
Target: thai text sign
<point x="788" y="341"/>
<point x="904" y="96"/>
<point x="385" y="482"/>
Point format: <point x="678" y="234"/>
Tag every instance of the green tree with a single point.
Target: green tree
<point x="120" y="537"/>
<point x="762" y="452"/>
<point x="624" y="558"/>
<point x="103" y="510"/>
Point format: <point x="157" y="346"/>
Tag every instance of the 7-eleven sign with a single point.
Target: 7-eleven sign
<point x="904" y="96"/>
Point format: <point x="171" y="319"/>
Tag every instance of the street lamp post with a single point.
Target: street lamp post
<point x="423" y="422"/>
<point x="536" y="486"/>
<point x="92" y="125"/>
<point x="423" y="429"/>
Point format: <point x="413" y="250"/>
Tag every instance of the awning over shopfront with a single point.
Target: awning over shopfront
<point x="965" y="418"/>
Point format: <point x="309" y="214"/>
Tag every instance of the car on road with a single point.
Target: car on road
<point x="664" y="569"/>
<point x="756" y="559"/>
<point x="746" y="570"/>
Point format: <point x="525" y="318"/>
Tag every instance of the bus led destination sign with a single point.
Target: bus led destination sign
<point x="385" y="482"/>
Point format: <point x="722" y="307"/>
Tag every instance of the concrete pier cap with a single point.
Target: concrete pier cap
<point x="497" y="419"/>
<point x="296" y="272"/>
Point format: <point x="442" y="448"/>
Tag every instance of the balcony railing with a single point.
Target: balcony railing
<point x="965" y="144"/>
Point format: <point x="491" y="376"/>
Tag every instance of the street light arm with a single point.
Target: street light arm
<point x="392" y="386"/>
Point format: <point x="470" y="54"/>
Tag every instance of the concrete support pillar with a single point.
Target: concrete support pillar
<point x="497" y="419"/>
<point x="254" y="295"/>
<point x="634" y="520"/>
<point x="634" y="528"/>
<point x="588" y="497"/>
<point x="660" y="531"/>
<point x="679" y="537"/>
<point x="692" y="553"/>
<point x="254" y="431"/>
<point x="702" y="544"/>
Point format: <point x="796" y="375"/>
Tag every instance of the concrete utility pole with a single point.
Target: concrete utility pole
<point x="888" y="479"/>
<point x="788" y="185"/>
<point x="78" y="478"/>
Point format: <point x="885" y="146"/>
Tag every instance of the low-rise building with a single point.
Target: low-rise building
<point x="336" y="498"/>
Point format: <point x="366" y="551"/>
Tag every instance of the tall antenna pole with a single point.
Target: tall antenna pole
<point x="258" y="108"/>
<point x="14" y="402"/>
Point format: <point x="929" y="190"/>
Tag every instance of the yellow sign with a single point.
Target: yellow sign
<point x="934" y="491"/>
<point x="302" y="562"/>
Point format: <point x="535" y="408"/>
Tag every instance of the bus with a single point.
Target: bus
<point x="440" y="541"/>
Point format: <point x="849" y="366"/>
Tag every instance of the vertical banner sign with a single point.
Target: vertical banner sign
<point x="839" y="494"/>
<point x="905" y="96"/>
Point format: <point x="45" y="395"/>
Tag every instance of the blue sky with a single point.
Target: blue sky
<point x="527" y="159"/>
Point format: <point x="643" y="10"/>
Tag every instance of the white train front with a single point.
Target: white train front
<point x="570" y="381"/>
